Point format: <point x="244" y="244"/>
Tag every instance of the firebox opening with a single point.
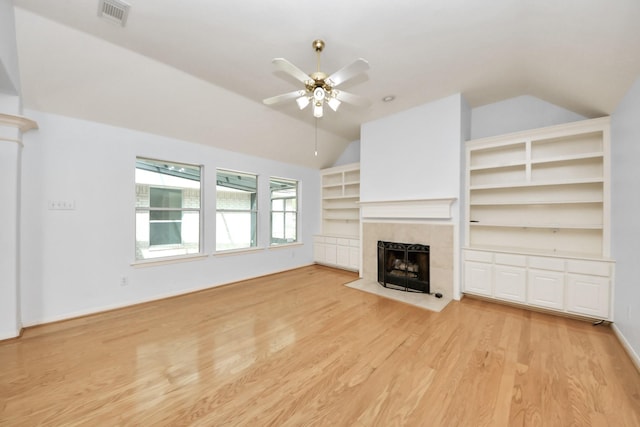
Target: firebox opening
<point x="403" y="266"/>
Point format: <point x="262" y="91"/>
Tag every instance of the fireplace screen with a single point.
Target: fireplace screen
<point x="403" y="266"/>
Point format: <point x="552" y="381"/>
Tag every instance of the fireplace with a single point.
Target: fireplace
<point x="403" y="266"/>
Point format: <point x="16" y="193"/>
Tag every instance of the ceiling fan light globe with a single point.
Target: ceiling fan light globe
<point x="318" y="94"/>
<point x="317" y="110"/>
<point x="303" y="101"/>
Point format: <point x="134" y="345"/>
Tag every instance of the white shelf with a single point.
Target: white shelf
<point x="347" y="197"/>
<point x="498" y="166"/>
<point x="546" y="226"/>
<point x="340" y="215"/>
<point x="538" y="184"/>
<point x="538" y="218"/>
<point x="536" y="202"/>
<point x="568" y="158"/>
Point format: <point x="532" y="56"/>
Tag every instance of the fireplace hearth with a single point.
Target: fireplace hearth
<point x="403" y="266"/>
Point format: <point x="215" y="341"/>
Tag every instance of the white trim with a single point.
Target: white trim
<point x="285" y="245"/>
<point x="20" y="122"/>
<point x="7" y="335"/>
<point x="407" y="209"/>
<point x="635" y="358"/>
<point x="168" y="260"/>
<point x="17" y="141"/>
<point x="229" y="252"/>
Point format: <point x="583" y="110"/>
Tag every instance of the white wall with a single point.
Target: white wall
<point x="414" y="154"/>
<point x="351" y="154"/>
<point x="625" y="196"/>
<point x="9" y="76"/>
<point x="73" y="261"/>
<point x="516" y="114"/>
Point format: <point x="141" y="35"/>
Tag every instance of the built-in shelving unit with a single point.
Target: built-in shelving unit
<point x="338" y="245"/>
<point x="540" y="193"/>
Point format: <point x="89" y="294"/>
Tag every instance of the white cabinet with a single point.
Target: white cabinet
<point x="354" y="254"/>
<point x="573" y="286"/>
<point x="546" y="289"/>
<point x="510" y="283"/>
<point x="319" y="250"/>
<point x="588" y="295"/>
<point x="343" y="252"/>
<point x="478" y="278"/>
<point x="340" y="245"/>
<point x="539" y="203"/>
<point x="337" y="252"/>
<point x="510" y="277"/>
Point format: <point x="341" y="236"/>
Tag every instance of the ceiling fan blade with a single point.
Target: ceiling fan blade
<point x="348" y="71"/>
<point x="350" y="98"/>
<point x="289" y="68"/>
<point x="284" y="97"/>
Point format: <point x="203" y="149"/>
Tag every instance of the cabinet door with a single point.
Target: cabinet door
<point x="546" y="289"/>
<point x="477" y="278"/>
<point x="330" y="253"/>
<point x="354" y="258"/>
<point x="588" y="295"/>
<point x="342" y="256"/>
<point x="319" y="252"/>
<point x="510" y="283"/>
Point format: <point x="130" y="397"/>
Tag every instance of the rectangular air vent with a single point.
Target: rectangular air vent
<point x="115" y="11"/>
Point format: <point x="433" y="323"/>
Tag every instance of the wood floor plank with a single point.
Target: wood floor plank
<point x="299" y="348"/>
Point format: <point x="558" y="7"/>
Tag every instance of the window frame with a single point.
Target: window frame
<point x="284" y="212"/>
<point x="149" y="209"/>
<point x="253" y="211"/>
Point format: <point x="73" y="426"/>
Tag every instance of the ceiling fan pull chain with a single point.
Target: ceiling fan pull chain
<point x="315" y="153"/>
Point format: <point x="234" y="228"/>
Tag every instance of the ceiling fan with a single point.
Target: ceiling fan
<point x="320" y="88"/>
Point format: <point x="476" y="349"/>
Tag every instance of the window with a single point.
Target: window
<point x="168" y="220"/>
<point x="284" y="210"/>
<point x="236" y="210"/>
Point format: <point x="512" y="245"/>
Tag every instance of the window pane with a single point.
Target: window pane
<point x="165" y="198"/>
<point x="165" y="233"/>
<point x="235" y="230"/>
<point x="160" y="186"/>
<point x="277" y="225"/>
<point x="291" y="227"/>
<point x="277" y="205"/>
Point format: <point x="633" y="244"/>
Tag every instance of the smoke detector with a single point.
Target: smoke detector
<point x="115" y="11"/>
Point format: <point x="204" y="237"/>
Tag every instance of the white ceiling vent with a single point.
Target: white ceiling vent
<point x="115" y="11"/>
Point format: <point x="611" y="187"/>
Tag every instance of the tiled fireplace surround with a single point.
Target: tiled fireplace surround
<point x="426" y="222"/>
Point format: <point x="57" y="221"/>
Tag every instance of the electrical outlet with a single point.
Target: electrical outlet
<point x="124" y="281"/>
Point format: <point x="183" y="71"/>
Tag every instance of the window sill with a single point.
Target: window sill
<point x="230" y="252"/>
<point x="168" y="260"/>
<point x="285" y="245"/>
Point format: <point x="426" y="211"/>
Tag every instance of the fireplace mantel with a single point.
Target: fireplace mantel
<point x="407" y="209"/>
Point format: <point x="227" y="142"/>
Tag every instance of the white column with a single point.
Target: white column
<point x="11" y="128"/>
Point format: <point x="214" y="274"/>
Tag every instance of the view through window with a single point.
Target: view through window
<point x="168" y="220"/>
<point x="284" y="210"/>
<point x="236" y="210"/>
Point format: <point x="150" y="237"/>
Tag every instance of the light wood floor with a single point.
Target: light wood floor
<point x="298" y="348"/>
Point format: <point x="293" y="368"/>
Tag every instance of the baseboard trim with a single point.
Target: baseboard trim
<point x="627" y="347"/>
<point x="9" y="338"/>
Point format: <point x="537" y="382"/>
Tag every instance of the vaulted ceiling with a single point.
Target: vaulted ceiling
<point x="198" y="70"/>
